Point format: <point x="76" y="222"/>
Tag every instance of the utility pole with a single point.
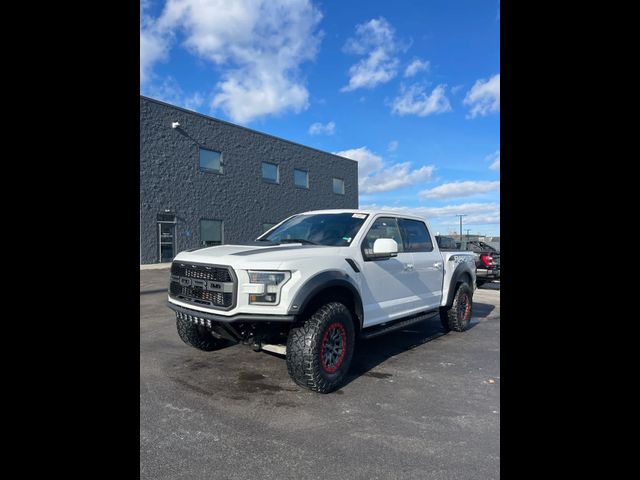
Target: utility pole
<point x="461" y="215"/>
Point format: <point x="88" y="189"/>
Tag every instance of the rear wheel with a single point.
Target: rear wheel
<point x="458" y="316"/>
<point x="319" y="351"/>
<point x="198" y="336"/>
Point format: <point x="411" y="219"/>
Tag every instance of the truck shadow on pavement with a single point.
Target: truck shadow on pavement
<point x="369" y="354"/>
<point x="208" y="376"/>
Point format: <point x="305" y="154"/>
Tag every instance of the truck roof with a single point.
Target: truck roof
<point x="373" y="211"/>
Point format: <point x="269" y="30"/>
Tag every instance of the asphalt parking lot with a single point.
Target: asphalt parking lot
<point x="418" y="404"/>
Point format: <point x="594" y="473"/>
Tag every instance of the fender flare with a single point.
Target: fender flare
<point x="460" y="270"/>
<point x="321" y="281"/>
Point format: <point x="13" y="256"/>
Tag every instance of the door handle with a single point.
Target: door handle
<point x="408" y="267"/>
<point x="437" y="264"/>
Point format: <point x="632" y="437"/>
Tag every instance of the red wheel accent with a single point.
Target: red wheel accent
<point x="333" y="347"/>
<point x="467" y="307"/>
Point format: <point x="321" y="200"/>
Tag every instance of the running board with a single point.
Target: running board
<point x="377" y="330"/>
<point x="279" y="349"/>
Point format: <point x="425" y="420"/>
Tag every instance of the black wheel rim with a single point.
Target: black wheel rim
<point x="333" y="347"/>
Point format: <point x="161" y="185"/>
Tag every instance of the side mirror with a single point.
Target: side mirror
<point x="384" y="248"/>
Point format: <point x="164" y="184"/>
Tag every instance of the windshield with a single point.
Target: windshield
<point x="331" y="229"/>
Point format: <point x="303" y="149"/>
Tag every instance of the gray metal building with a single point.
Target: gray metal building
<point x="204" y="181"/>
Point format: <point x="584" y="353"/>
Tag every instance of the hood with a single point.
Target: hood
<point x="269" y="256"/>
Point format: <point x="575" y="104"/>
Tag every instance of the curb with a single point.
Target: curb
<point x="155" y="266"/>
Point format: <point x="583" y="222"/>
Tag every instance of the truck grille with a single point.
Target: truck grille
<point x="204" y="285"/>
<point x="202" y="272"/>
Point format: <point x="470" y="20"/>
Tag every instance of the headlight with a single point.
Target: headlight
<point x="264" y="287"/>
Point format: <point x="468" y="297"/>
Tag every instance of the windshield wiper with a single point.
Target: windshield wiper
<point x="298" y="240"/>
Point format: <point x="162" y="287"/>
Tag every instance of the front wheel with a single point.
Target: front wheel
<point x="199" y="337"/>
<point x="319" y="351"/>
<point x="458" y="316"/>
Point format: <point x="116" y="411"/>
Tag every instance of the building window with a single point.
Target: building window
<point x="210" y="232"/>
<point x="167" y="216"/>
<point x="338" y="186"/>
<point x="267" y="226"/>
<point x="270" y="172"/>
<point x="301" y="178"/>
<point x="210" y="161"/>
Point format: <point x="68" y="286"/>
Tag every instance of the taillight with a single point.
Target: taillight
<point x="487" y="260"/>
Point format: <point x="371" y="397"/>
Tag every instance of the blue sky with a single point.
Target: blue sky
<point x="411" y="90"/>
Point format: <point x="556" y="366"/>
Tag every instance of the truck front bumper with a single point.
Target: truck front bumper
<point x="207" y="319"/>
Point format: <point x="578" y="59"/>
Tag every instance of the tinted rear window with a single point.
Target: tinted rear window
<point x="415" y="235"/>
<point x="446" y="242"/>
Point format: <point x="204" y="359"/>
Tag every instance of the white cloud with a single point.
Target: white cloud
<point x="459" y="189"/>
<point x="494" y="158"/>
<point x="320" y="129"/>
<point x="257" y="45"/>
<point x="154" y="43"/>
<point x="473" y="220"/>
<point x="374" y="176"/>
<point x="393" y="145"/>
<point x="484" y="97"/>
<point x="416" y="66"/>
<point x="476" y="213"/>
<point x="376" y="40"/>
<point x="415" y="101"/>
<point x="394" y="177"/>
<point x="368" y="162"/>
<point x="169" y="91"/>
<point x="194" y="101"/>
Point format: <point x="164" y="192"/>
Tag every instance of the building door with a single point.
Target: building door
<point x="166" y="237"/>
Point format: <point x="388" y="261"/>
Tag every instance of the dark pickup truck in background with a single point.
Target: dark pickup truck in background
<point x="487" y="261"/>
<point x="487" y="257"/>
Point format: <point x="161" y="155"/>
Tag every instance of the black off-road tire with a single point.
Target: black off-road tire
<point x="458" y="316"/>
<point x="308" y="364"/>
<point x="199" y="337"/>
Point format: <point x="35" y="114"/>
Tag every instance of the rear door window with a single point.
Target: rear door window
<point x="415" y="235"/>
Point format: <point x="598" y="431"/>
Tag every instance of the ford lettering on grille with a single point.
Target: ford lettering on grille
<point x="203" y="284"/>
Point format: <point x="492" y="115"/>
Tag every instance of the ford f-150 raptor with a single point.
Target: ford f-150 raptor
<point x="311" y="285"/>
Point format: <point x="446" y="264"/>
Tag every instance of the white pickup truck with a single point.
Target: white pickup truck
<point x="310" y="286"/>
